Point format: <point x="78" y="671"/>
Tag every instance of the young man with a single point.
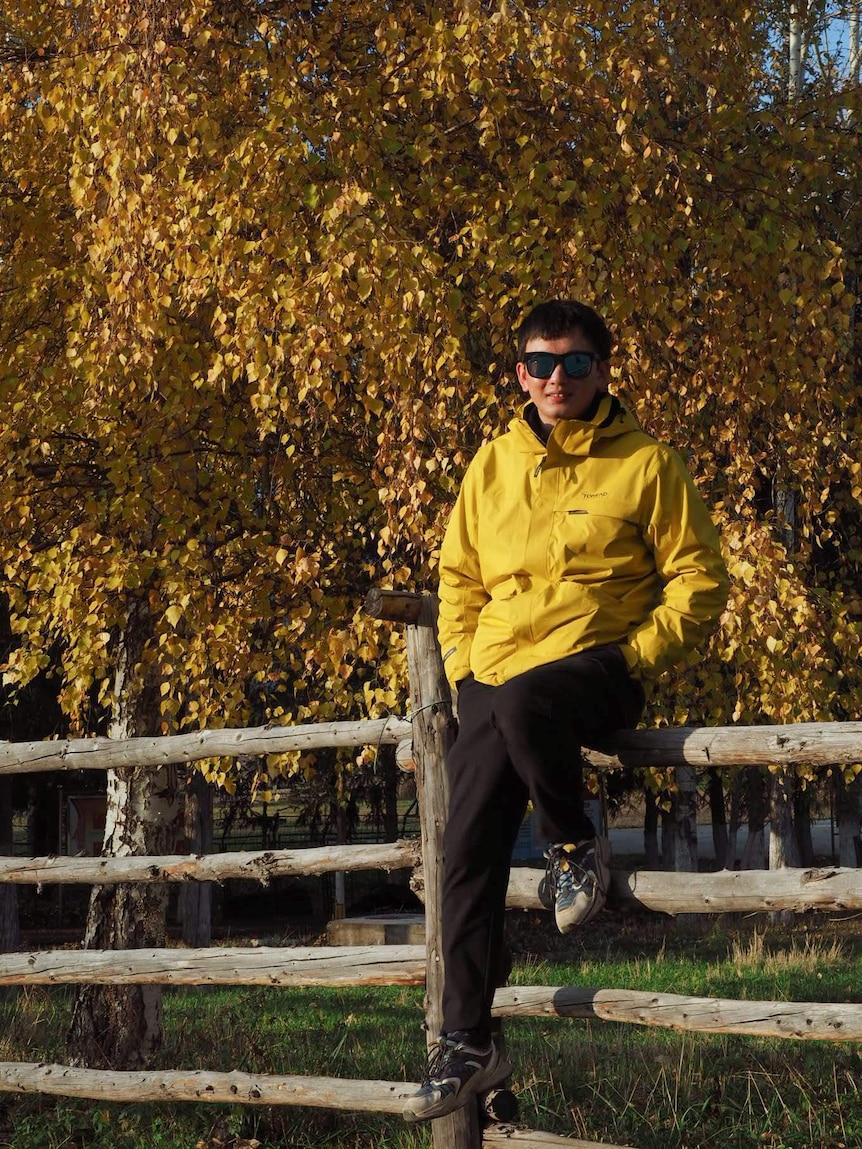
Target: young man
<point x="578" y="562"/>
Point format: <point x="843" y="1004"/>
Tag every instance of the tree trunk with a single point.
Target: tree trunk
<point x="389" y="768"/>
<point x="196" y="897"/>
<point x="754" y="854"/>
<point x="391" y="823"/>
<point x="668" y="838"/>
<point x="119" y="1027"/>
<point x="653" y="858"/>
<point x="736" y="792"/>
<point x="802" y="822"/>
<point x="9" y="935"/>
<point x="718" y="817"/>
<point x="684" y="856"/>
<point x="847" y="813"/>
<point x="340" y="907"/>
<point x="796" y="50"/>
<point x="782" y="836"/>
<point x="685" y="818"/>
<point x="783" y="850"/>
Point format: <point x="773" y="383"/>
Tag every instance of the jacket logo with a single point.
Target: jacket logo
<point x="595" y="495"/>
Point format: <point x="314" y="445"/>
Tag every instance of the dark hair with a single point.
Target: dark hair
<point x="560" y="317"/>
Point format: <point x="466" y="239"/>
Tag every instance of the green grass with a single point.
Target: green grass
<point x="624" y="1084"/>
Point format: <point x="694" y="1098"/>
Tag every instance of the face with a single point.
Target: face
<point x="560" y="397"/>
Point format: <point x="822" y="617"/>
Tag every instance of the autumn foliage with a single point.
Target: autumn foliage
<point x="259" y="268"/>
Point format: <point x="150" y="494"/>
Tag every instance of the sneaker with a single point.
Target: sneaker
<point x="458" y="1068"/>
<point x="576" y="881"/>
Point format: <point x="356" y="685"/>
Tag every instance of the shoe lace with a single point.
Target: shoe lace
<point x="554" y="872"/>
<point x="437" y="1055"/>
<point x="574" y="874"/>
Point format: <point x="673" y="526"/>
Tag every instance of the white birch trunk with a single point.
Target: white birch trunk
<point x="854" y="55"/>
<point x="120" y="1027"/>
<point x="796" y="50"/>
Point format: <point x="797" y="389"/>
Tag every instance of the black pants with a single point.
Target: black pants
<point x="518" y="741"/>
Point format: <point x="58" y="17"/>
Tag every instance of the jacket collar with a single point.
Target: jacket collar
<point x="573" y="436"/>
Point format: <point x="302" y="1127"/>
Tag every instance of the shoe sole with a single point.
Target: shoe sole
<point x="502" y="1070"/>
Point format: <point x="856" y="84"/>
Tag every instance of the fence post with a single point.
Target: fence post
<point x="434" y="729"/>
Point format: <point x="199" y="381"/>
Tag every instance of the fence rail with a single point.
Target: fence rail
<point x="204" y="1085"/>
<point x="794" y="744"/>
<point x="726" y="891"/>
<point x="337" y="966"/>
<point x="247" y="1089"/>
<point x="118" y="754"/>
<point x="257" y="865"/>
<point x="252" y="965"/>
<point x="800" y="744"/>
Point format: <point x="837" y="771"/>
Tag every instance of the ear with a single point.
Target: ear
<point x="603" y="369"/>
<point x="521" y="372"/>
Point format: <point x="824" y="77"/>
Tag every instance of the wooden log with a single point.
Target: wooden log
<point x="434" y="730"/>
<point x="393" y="605"/>
<point x="254" y="965"/>
<point x="434" y="733"/>
<point x="247" y="1089"/>
<point x="258" y="865"/>
<point x="204" y="1085"/>
<point x="502" y="1135"/>
<point x="818" y="744"/>
<point x="728" y="891"/>
<point x="116" y="753"/>
<point x="809" y="1021"/>
<point x="802" y="743"/>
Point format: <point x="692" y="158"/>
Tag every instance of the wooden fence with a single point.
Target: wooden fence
<point x="431" y="730"/>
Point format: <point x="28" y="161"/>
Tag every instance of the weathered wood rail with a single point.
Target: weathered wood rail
<point x="246" y="1089"/>
<point x="257" y="965"/>
<point x="825" y="888"/>
<point x="203" y="1085"/>
<point x="117" y="754"/>
<point x="256" y="865"/>
<point x="727" y="891"/>
<point x="340" y="966"/>
<point x="802" y="744"/>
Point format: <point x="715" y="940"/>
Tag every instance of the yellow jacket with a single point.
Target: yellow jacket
<point x="597" y="536"/>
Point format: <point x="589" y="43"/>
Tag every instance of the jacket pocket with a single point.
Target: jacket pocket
<point x="587" y="537"/>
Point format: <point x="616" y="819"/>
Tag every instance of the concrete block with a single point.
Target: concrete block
<point x="377" y="930"/>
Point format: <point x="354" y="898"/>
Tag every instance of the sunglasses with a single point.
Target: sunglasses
<point x="576" y="364"/>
